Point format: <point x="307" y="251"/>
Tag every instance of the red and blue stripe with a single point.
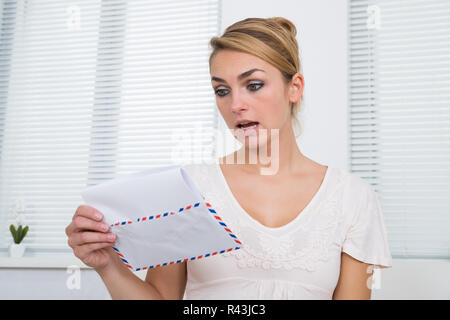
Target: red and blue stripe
<point x="209" y="207"/>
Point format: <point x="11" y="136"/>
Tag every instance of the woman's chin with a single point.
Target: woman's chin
<point x="253" y="139"/>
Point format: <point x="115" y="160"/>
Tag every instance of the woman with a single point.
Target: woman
<point x="309" y="231"/>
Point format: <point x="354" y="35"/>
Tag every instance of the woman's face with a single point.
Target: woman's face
<point x="248" y="88"/>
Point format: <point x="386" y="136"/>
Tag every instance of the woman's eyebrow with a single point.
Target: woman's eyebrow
<point x="240" y="77"/>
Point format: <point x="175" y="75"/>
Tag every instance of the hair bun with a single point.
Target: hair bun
<point x="285" y="23"/>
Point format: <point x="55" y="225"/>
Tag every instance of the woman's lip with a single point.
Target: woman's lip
<point x="238" y="126"/>
<point x="248" y="131"/>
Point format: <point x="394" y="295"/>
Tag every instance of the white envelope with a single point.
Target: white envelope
<point x="160" y="217"/>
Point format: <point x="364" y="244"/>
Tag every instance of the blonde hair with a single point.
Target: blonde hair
<point x="270" y="39"/>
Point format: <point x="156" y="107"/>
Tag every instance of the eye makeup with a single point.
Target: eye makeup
<point x="256" y="84"/>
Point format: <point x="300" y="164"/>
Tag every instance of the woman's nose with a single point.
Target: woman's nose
<point x="237" y="103"/>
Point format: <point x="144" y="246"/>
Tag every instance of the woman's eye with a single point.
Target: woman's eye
<point x="220" y="93"/>
<point x="251" y="86"/>
<point x="255" y="86"/>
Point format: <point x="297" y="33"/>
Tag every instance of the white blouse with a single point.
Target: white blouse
<point x="299" y="260"/>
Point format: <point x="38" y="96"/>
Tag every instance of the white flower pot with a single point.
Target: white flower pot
<point x="16" y="250"/>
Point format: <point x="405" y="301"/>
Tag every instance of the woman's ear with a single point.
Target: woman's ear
<point x="296" y="87"/>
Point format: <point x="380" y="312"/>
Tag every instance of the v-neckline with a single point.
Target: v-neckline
<point x="286" y="226"/>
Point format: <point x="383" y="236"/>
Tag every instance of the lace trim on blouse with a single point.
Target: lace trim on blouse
<point x="301" y="247"/>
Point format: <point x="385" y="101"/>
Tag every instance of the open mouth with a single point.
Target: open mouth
<point x="248" y="125"/>
<point x="250" y="128"/>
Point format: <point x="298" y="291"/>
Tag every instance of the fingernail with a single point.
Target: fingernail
<point x="97" y="215"/>
<point x="111" y="236"/>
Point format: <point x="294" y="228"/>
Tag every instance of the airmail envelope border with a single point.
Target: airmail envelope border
<point x="166" y="214"/>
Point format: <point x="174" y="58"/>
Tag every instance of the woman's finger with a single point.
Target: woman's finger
<point x="83" y="223"/>
<point x="88" y="212"/>
<point x="79" y="220"/>
<point x="81" y="238"/>
<point x="83" y="251"/>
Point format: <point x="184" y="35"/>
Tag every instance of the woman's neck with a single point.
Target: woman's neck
<point x="280" y="156"/>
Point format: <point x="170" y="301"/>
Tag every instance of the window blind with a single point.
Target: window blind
<point x="399" y="115"/>
<point x="90" y="90"/>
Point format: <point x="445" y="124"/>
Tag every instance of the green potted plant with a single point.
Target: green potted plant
<point x="17" y="249"/>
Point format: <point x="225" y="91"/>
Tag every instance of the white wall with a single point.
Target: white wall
<point x="322" y="36"/>
<point x="415" y="279"/>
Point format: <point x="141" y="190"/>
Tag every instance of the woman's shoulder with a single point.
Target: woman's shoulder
<point x="356" y="188"/>
<point x="354" y="181"/>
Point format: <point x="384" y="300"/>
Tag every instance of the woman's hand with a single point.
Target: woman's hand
<point x="90" y="238"/>
<point x="91" y="241"/>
